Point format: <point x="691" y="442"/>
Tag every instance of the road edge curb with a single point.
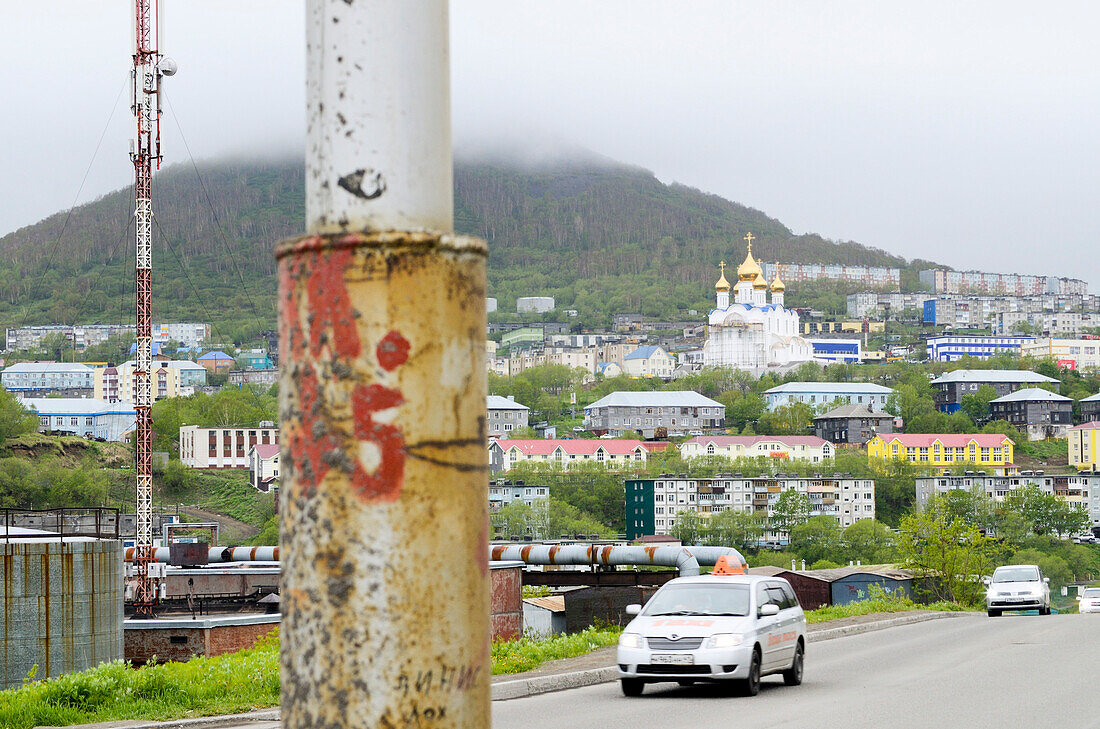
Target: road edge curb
<point x="201" y="722"/>
<point x="524" y="687"/>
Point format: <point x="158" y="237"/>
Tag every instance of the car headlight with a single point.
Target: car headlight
<point x="725" y="640"/>
<point x="630" y="640"/>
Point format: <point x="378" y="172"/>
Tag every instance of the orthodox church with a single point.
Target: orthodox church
<point x="750" y="333"/>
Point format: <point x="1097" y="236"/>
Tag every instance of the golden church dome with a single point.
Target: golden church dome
<point x="723" y="284"/>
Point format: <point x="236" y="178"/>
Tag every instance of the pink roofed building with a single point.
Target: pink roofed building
<point x="614" y="452"/>
<point x="992" y="452"/>
<point x="795" y="447"/>
<point x="263" y="466"/>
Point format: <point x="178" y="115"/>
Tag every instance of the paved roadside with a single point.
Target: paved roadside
<point x="566" y="673"/>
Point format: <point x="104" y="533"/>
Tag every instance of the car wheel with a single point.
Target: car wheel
<point x="993" y="613"/>
<point x="632" y="686"/>
<point x="793" y="675"/>
<point x="1044" y="610"/>
<point x="751" y="685"/>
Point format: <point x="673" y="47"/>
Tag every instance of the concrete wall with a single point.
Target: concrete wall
<point x="506" y="601"/>
<point x="61" y="607"/>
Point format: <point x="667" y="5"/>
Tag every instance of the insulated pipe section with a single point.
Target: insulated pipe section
<point x="218" y="555"/>
<point x="686" y="559"/>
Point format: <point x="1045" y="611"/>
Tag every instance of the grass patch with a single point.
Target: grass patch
<point x="878" y="601"/>
<point x="226" y="684"/>
<point x="517" y="656"/>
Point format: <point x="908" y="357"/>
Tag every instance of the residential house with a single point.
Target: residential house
<point x="222" y="447"/>
<point x="951" y="387"/>
<point x="31" y="379"/>
<point x="827" y="393"/>
<point x="649" y="361"/>
<point x="794" y="447"/>
<point x="1040" y="413"/>
<point x="217" y="362"/>
<point x="84" y="417"/>
<point x="613" y="453"/>
<point x="991" y="451"/>
<point x="853" y="424"/>
<point x="266" y="377"/>
<point x="263" y="466"/>
<point x="1090" y="408"/>
<point x="1084" y="446"/>
<point x="653" y="503"/>
<point x="504" y="415"/>
<point x="676" y="410"/>
<point x="255" y="359"/>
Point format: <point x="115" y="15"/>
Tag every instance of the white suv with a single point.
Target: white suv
<point x="720" y="627"/>
<point x="1018" y="587"/>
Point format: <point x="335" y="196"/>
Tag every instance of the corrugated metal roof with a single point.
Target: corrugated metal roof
<point x="642" y="353"/>
<point x="1030" y="394"/>
<point x="1015" y="376"/>
<point x="658" y="398"/>
<point x="841" y="388"/>
<point x="42" y="367"/>
<point x="496" y="402"/>
<point x="723" y="441"/>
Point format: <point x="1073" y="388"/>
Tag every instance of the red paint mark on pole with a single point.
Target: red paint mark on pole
<point x="392" y="351"/>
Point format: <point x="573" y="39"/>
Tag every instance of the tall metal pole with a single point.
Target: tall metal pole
<point x="144" y="153"/>
<point x="382" y="391"/>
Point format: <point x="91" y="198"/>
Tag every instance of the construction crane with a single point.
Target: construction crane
<point x="150" y="66"/>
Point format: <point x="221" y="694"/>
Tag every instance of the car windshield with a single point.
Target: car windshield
<point x="1091" y="592"/>
<point x="700" y="600"/>
<point x="1016" y="574"/>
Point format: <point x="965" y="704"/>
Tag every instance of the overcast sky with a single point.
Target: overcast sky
<point x="960" y="132"/>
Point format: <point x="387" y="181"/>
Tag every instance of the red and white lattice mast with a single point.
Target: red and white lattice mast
<point x="145" y="103"/>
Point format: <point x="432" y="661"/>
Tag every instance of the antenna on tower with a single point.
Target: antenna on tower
<point x="150" y="66"/>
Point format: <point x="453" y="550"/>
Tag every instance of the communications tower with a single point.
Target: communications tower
<point x="145" y="103"/>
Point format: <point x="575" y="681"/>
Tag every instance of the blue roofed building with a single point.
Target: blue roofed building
<point x="845" y="351"/>
<point x="953" y="348"/>
<point x="649" y="361"/>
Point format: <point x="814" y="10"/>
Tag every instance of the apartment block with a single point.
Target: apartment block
<point x="1077" y="488"/>
<point x="222" y="447"/>
<point x="652" y="504"/>
<point x="873" y="276"/>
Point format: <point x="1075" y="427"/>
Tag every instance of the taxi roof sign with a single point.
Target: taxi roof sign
<point x="723" y="567"/>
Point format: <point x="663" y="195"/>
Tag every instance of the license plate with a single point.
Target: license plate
<point x="672" y="659"/>
<point x="1017" y="599"/>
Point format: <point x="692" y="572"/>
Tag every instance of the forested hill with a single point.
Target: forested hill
<point x="597" y="235"/>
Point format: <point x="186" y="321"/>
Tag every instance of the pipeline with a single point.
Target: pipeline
<point x="218" y="555"/>
<point x="686" y="559"/>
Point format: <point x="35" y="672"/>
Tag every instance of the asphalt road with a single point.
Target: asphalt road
<point x="972" y="672"/>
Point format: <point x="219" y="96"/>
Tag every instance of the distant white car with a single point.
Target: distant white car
<point x="731" y="628"/>
<point x="1018" y="587"/>
<point x="1089" y="600"/>
<point x="695" y="432"/>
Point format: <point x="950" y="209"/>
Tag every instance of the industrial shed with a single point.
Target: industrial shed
<point x="842" y="585"/>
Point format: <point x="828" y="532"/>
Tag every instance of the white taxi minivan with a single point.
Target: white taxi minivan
<point x="724" y="627"/>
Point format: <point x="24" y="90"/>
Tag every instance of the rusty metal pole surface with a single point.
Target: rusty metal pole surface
<point x="382" y="391"/>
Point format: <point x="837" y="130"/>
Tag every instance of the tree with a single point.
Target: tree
<point x="816" y="539"/>
<point x="945" y="548"/>
<point x="870" y="541"/>
<point x="734" y="528"/>
<point x="976" y="405"/>
<point x="791" y="509"/>
<point x="15" y="420"/>
<point x="689" y="527"/>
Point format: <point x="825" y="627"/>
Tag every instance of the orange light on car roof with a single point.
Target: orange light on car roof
<point x="723" y="567"/>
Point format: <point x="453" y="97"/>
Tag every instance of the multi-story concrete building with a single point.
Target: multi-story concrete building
<point x="188" y="334"/>
<point x="81" y="336"/>
<point x="827" y="393"/>
<point x="1039" y="413"/>
<point x="832" y="351"/>
<point x="679" y="410"/>
<point x="873" y="276"/>
<point x="523" y="338"/>
<point x="504" y="415"/>
<point x="953" y="282"/>
<point x="28" y="379"/>
<point x="266" y="377"/>
<point x="652" y="504"/>
<point x="853" y="424"/>
<point x="649" y="361"/>
<point x="952" y="348"/>
<point x="1081" y="489"/>
<point x="864" y="303"/>
<point x="222" y="447"/>
<point x="991" y="451"/>
<point x="613" y="453"/>
<point x="951" y="387"/>
<point x="503" y="492"/>
<point x="1084" y="446"/>
<point x="787" y="447"/>
<point x="85" y="417"/>
<point x="1076" y="354"/>
<point x="116" y="384"/>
